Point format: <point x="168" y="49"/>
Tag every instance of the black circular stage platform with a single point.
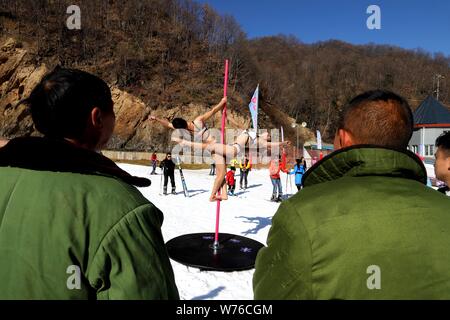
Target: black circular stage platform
<point x="235" y="253"/>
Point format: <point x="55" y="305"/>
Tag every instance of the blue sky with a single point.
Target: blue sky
<point x="408" y="24"/>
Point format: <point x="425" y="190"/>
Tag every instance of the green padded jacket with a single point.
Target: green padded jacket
<point x="72" y="226"/>
<point x="365" y="226"/>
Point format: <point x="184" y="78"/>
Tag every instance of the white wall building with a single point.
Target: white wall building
<point x="431" y="119"/>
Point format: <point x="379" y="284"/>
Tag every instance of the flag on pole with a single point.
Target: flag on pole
<point x="319" y="140"/>
<point x="254" y="108"/>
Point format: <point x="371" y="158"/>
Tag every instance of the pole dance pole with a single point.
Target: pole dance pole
<point x="222" y="140"/>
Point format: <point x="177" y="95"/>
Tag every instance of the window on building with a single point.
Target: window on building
<point x="429" y="150"/>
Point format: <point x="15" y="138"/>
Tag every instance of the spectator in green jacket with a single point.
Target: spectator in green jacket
<point x="442" y="164"/>
<point x="72" y="223"/>
<point x="365" y="226"/>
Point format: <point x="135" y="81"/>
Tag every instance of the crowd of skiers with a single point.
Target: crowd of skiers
<point x="244" y="165"/>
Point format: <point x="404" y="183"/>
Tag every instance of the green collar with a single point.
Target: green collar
<point x="366" y="160"/>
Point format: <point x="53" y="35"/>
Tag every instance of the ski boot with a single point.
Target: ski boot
<point x="173" y="191"/>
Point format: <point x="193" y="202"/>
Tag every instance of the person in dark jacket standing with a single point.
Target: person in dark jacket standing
<point x="73" y="225"/>
<point x="442" y="164"/>
<point x="365" y="225"/>
<point x="168" y="167"/>
<point x="212" y="171"/>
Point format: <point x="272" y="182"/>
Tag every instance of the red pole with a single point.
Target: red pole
<point x="222" y="140"/>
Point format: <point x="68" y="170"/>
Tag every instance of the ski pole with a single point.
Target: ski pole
<point x="161" y="183"/>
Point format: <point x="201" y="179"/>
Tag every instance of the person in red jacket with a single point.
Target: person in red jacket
<point x="154" y="159"/>
<point x="277" y="165"/>
<point x="231" y="182"/>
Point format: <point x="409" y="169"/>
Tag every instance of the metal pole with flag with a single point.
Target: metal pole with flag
<point x="254" y="108"/>
<point x="319" y="140"/>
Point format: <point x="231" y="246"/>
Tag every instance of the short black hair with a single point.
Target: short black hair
<point x="380" y="118"/>
<point x="61" y="102"/>
<point x="179" y="123"/>
<point x="443" y="142"/>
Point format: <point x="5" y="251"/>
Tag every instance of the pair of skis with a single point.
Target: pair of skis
<point x="183" y="181"/>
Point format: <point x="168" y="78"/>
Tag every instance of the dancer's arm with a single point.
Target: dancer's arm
<point x="213" y="111"/>
<point x="164" y="122"/>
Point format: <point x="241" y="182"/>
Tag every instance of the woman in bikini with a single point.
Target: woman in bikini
<point x="220" y="152"/>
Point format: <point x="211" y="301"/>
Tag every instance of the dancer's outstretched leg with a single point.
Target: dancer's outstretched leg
<point x="263" y="142"/>
<point x="226" y="151"/>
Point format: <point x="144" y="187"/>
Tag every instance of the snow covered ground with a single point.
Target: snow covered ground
<point x="248" y="214"/>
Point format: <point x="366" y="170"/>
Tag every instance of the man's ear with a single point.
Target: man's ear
<point x="345" y="138"/>
<point x="97" y="118"/>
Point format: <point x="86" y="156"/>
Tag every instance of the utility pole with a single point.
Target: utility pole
<point x="439" y="77"/>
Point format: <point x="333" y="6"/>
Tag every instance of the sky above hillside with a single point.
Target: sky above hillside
<point x="409" y="24"/>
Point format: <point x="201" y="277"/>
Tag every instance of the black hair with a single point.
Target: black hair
<point x="61" y="103"/>
<point x="179" y="123"/>
<point x="380" y="118"/>
<point x="443" y="142"/>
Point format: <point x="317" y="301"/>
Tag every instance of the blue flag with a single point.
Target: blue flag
<point x="254" y="108"/>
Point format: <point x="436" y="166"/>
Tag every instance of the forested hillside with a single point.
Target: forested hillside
<point x="169" y="55"/>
